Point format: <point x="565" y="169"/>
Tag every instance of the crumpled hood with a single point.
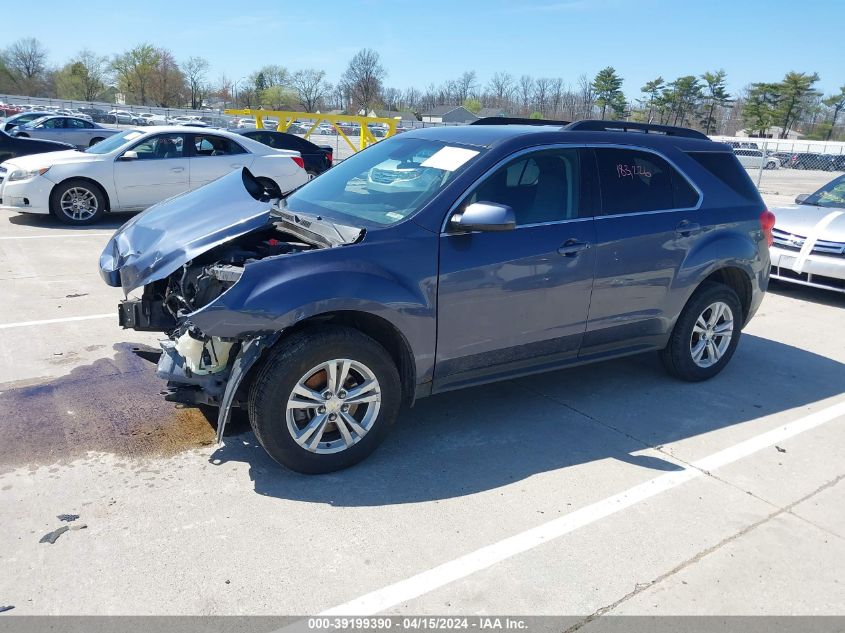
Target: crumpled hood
<point x="158" y="241"/>
<point x="801" y="219"/>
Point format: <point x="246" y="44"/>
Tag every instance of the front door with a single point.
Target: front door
<point x="160" y="171"/>
<point x="516" y="301"/>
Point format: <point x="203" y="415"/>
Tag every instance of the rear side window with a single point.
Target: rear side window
<point x="726" y="167"/>
<point x="633" y="181"/>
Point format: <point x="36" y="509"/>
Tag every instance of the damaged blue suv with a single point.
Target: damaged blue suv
<point x="440" y="259"/>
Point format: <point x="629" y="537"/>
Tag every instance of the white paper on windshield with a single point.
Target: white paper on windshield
<point x="449" y="158"/>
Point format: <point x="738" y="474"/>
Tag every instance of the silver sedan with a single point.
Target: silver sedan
<point x="809" y="239"/>
<point x="73" y="130"/>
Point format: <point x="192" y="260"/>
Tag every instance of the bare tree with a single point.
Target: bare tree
<point x="465" y="86"/>
<point x="526" y="91"/>
<point x="195" y="70"/>
<point x="168" y="82"/>
<point x="501" y="89"/>
<point x="25" y="62"/>
<point x="363" y="78"/>
<point x="542" y="89"/>
<point x="586" y="98"/>
<point x="311" y="87"/>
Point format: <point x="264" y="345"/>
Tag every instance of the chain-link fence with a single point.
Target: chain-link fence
<point x="783" y="169"/>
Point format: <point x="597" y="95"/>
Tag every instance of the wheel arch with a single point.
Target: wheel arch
<point x="86" y="179"/>
<point x="380" y="330"/>
<point x="376" y="327"/>
<point x="738" y="280"/>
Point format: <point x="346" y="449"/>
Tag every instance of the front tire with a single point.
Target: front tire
<point x="706" y="334"/>
<point x="324" y="399"/>
<point x="77" y="202"/>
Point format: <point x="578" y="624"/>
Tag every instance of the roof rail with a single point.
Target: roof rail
<point x="628" y="126"/>
<point x="509" y="120"/>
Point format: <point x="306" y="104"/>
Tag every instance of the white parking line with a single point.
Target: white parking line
<point x="62" y="235"/>
<point x="6" y="326"/>
<point x="485" y="557"/>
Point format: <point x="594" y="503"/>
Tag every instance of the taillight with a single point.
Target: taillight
<point x="767" y="223"/>
<point x="298" y="160"/>
<point x="330" y="157"/>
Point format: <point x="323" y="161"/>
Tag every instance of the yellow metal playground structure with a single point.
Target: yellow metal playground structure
<point x="287" y="118"/>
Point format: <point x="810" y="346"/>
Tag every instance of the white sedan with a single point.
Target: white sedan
<point x="136" y="169"/>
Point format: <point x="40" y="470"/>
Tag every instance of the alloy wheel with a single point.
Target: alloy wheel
<point x="333" y="406"/>
<point x="711" y="334"/>
<point x="79" y="204"/>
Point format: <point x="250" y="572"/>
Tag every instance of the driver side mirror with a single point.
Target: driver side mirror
<point x="484" y="216"/>
<point x="129" y="155"/>
<point x="801" y="198"/>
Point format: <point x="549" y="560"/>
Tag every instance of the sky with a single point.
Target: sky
<point x="430" y="42"/>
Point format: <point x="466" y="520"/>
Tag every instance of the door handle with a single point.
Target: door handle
<point x="177" y="169"/>
<point x="572" y="247"/>
<point x="687" y="228"/>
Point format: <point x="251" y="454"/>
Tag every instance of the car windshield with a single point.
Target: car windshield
<point x="386" y="183"/>
<point x="831" y="195"/>
<point x="35" y="122"/>
<point x="114" y="142"/>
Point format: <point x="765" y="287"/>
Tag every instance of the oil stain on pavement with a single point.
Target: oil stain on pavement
<point x="113" y="405"/>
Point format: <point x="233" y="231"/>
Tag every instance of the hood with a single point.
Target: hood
<point x="158" y="241"/>
<point x="802" y="219"/>
<point x="36" y="161"/>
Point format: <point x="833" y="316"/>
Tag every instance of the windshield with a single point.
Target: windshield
<point x="114" y="142"/>
<point x="385" y="183"/>
<point x="831" y="195"/>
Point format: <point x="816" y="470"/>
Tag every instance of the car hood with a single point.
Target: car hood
<point x="803" y="220"/>
<point x="155" y="243"/>
<point x="64" y="157"/>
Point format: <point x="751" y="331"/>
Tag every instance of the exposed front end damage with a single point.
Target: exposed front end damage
<point x="186" y="253"/>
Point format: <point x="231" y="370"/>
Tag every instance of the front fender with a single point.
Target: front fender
<point x="390" y="281"/>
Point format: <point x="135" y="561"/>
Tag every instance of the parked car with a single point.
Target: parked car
<point x="137" y="168"/>
<point x="754" y="159"/>
<point x="246" y="123"/>
<point x="12" y="146"/>
<point x="153" y="119"/>
<point x="809" y="239"/>
<point x="72" y="130"/>
<point x="99" y="116"/>
<point x="325" y="129"/>
<point x="122" y="116"/>
<point x="530" y="248"/>
<point x="317" y="158"/>
<point x="23" y="118"/>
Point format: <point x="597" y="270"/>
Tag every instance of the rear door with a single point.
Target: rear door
<point x="513" y="301"/>
<point x="648" y="225"/>
<point x="160" y="171"/>
<point x="213" y="156"/>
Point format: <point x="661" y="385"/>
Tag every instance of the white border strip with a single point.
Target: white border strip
<point x="6" y="326"/>
<point x="422" y="583"/>
<point x="62" y="235"/>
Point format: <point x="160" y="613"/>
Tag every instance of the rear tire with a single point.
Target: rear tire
<point x="706" y="334"/>
<point x="349" y="418"/>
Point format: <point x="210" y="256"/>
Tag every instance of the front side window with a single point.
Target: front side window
<point x="51" y="124"/>
<point x="215" y="146"/>
<point x="633" y="181"/>
<point x="385" y="183"/>
<point x="160" y="147"/>
<point x="540" y="187"/>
